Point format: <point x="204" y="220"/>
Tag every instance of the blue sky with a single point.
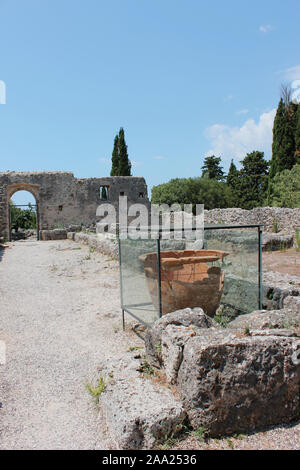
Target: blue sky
<point x="184" y="78"/>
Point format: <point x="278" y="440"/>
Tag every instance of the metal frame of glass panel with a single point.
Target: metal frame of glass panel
<point x="128" y="308"/>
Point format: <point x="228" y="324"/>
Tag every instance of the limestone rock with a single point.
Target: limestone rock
<point x="232" y="383"/>
<point x="59" y="234"/>
<point x="265" y="319"/>
<point x="71" y="235"/>
<point x="292" y="303"/>
<point x="275" y="241"/>
<point x="139" y="414"/>
<point x="101" y="243"/>
<point x="56" y="234"/>
<point x="74" y="228"/>
<point x="173" y="341"/>
<point x="278" y="286"/>
<point x="187" y="317"/>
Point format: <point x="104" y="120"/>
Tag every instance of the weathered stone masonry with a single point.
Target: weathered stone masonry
<point x="63" y="199"/>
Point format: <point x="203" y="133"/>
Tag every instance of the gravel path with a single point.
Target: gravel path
<point x="60" y="318"/>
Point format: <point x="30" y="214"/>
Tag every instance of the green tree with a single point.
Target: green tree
<point x="121" y="165"/>
<point x="233" y="181"/>
<point x="23" y="219"/>
<point x="283" y="147"/>
<point x="297" y="135"/>
<point x="232" y="176"/>
<point x="278" y="135"/>
<point x="115" y="158"/>
<point x="253" y="181"/>
<point x="124" y="162"/>
<point x="286" y="188"/>
<point x="212" y="169"/>
<point x="210" y="192"/>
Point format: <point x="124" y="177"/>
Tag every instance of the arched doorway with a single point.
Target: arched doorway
<point x="23" y="210"/>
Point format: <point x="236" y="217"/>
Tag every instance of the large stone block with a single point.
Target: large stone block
<point x="276" y="241"/>
<point x="187" y="317"/>
<point x="59" y="234"/>
<point x="292" y="302"/>
<point x="266" y="319"/>
<point x="232" y="383"/>
<point x="56" y="234"/>
<point x="138" y="412"/>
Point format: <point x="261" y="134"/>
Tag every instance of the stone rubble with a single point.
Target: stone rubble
<point x="100" y="242"/>
<point x="280" y="218"/>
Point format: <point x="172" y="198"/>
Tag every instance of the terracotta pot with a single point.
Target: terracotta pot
<point x="186" y="279"/>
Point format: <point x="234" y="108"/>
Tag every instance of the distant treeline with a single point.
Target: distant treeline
<point x="23" y="219"/>
<point x="257" y="183"/>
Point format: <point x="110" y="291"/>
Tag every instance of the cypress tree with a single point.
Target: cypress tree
<point x="124" y="162"/>
<point x="115" y="158"/>
<point x="297" y="135"/>
<point x="289" y="141"/>
<point x="278" y="134"/>
<point x="283" y="147"/>
<point x="233" y="181"/>
<point x="232" y="175"/>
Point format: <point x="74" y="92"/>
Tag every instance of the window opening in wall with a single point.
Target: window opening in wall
<point x="104" y="193"/>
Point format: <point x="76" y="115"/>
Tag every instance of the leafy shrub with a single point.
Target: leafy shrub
<point x="23" y="219"/>
<point x="210" y="192"/>
<point x="286" y="188"/>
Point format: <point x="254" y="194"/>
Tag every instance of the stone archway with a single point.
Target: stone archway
<point x="63" y="200"/>
<point x="31" y="188"/>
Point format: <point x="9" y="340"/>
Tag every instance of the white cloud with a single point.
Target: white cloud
<point x="105" y="160"/>
<point x="292" y="73"/>
<point x="295" y="84"/>
<point x="158" y="157"/>
<point x="266" y="28"/>
<point x="243" y="111"/>
<point x="235" y="142"/>
<point x="296" y="93"/>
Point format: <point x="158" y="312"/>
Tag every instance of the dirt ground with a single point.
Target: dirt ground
<point x="287" y="261"/>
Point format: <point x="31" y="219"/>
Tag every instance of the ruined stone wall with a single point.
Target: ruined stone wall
<point x="63" y="199"/>
<point x="286" y="220"/>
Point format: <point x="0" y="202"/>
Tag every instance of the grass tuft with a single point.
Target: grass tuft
<point x="96" y="391"/>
